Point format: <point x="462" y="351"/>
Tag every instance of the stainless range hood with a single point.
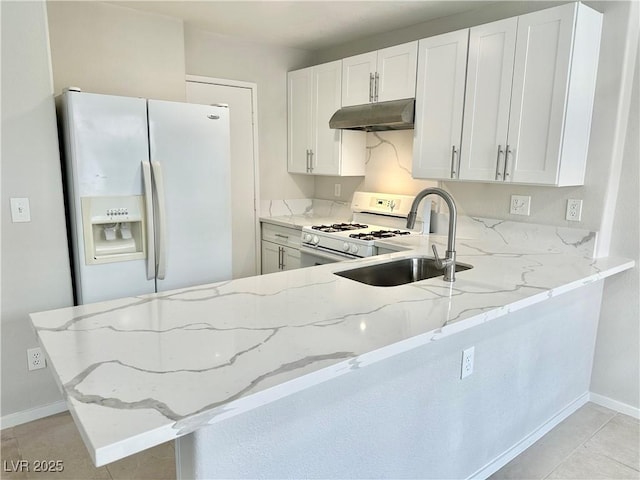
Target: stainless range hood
<point x="374" y="117"/>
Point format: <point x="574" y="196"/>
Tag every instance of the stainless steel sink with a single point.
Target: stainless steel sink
<point x="398" y="272"/>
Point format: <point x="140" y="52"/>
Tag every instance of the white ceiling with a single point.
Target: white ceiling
<point x="305" y="24"/>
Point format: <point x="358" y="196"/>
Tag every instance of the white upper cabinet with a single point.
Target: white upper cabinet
<point x="442" y="63"/>
<point x="314" y="95"/>
<point x="299" y="106"/>
<point x="487" y="101"/>
<point x="358" y="73"/>
<point x="529" y="92"/>
<point x="387" y="74"/>
<point x="554" y="82"/>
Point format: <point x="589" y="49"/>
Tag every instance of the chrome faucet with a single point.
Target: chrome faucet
<point x="449" y="262"/>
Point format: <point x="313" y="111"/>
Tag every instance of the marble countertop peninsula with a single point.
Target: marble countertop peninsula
<point x="144" y="370"/>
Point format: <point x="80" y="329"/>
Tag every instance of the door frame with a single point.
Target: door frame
<point x="253" y="87"/>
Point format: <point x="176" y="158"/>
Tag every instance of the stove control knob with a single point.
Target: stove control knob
<point x="354" y="249"/>
<point x="315" y="240"/>
<point x="346" y="247"/>
<point x="306" y="237"/>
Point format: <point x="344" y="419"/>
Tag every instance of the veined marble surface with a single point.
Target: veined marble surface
<point x="306" y="212"/>
<point x="302" y="211"/>
<point x="140" y="371"/>
<point x="520" y="234"/>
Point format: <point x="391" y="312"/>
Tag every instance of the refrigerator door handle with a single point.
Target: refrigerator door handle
<point x="148" y="204"/>
<point x="162" y="219"/>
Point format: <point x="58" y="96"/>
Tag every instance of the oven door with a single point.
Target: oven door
<point x="310" y="257"/>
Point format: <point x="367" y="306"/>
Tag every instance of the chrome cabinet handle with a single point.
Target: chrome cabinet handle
<point x="371" y="87"/>
<point x="282" y="236"/>
<point x="308" y="160"/>
<point x="375" y="94"/>
<point x="507" y="173"/>
<point x="498" y="169"/>
<point x="453" y="162"/>
<point x="311" y="161"/>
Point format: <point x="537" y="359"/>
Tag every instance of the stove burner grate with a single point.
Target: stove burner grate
<point x="378" y="234"/>
<point x="339" y="227"/>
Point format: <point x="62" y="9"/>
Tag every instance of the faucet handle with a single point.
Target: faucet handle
<point x="439" y="263"/>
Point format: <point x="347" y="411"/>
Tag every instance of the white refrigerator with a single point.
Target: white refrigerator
<point x="148" y="194"/>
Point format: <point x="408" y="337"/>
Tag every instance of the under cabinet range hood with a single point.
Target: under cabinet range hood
<point x="374" y="117"/>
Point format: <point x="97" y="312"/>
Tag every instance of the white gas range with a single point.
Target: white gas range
<point x="375" y="216"/>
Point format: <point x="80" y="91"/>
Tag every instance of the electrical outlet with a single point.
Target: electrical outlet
<point x="466" y="368"/>
<point x="35" y="359"/>
<point x="337" y="189"/>
<point x="574" y="210"/>
<point x="520" y="205"/>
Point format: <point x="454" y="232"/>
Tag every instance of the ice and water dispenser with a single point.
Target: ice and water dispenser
<point x="114" y="229"/>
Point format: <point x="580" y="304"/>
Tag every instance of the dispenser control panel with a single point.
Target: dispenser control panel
<point x="114" y="229"/>
<point x="117" y="212"/>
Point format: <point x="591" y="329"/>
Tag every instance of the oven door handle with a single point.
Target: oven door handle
<point x="325" y="255"/>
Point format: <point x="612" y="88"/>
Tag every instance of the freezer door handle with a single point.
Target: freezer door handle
<point x="158" y="183"/>
<point x="148" y="204"/>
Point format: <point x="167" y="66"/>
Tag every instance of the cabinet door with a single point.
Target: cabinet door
<point x="357" y="71"/>
<point x="540" y="80"/>
<point x="487" y="100"/>
<point x="291" y="258"/>
<point x="442" y="66"/>
<point x="396" y="72"/>
<point x="300" y="84"/>
<point x="270" y="257"/>
<point x="327" y="79"/>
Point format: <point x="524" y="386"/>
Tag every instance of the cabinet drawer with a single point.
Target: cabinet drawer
<point x="288" y="237"/>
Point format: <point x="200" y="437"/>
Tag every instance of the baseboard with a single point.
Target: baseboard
<point x="505" y="457"/>
<point x="32" y="414"/>
<point x="614" y="405"/>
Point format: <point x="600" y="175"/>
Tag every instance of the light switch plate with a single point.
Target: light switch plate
<point x="20" y="211"/>
<point x="520" y="205"/>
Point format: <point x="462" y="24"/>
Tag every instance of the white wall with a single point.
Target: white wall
<point x="212" y="55"/>
<point x="35" y="264"/>
<point x="104" y="48"/>
<point x="616" y="372"/>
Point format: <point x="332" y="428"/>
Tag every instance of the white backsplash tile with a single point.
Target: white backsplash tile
<point x="504" y="232"/>
<point x="306" y="208"/>
<point x="277" y="208"/>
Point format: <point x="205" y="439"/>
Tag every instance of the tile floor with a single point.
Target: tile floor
<point x="593" y="443"/>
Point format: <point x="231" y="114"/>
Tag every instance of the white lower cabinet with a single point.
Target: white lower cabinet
<point x="530" y="85"/>
<point x="276" y="258"/>
<point x="280" y="248"/>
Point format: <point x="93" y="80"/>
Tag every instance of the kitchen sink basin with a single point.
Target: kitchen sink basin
<point x="398" y="272"/>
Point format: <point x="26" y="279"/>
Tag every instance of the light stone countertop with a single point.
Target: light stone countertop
<point x="140" y="371"/>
